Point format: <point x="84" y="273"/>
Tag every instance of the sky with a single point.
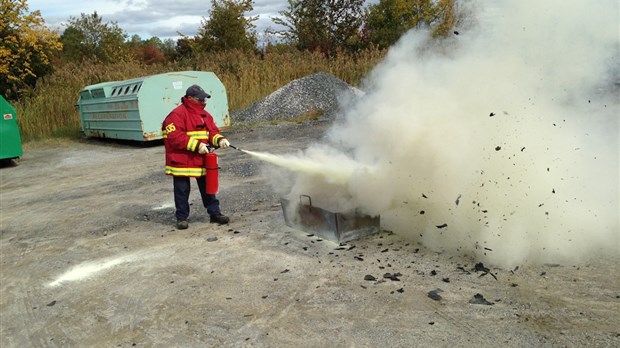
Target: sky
<point x="148" y="18"/>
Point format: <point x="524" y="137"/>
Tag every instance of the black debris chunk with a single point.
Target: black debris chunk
<point x="285" y="271"/>
<point x="462" y="269"/>
<point x="421" y="212"/>
<point x="392" y="276"/>
<point x="351" y="247"/>
<point x="442" y="226"/>
<point x="369" y="277"/>
<point x="485" y="273"/>
<point x="434" y="294"/>
<point x="358" y="258"/>
<point x="51" y="303"/>
<point x="445" y="280"/>
<point x="497" y="148"/>
<point x="458" y="199"/>
<point x="456" y="32"/>
<point x="492" y="114"/>
<point x="401" y="290"/>
<point x="479" y="267"/>
<point x="479" y="299"/>
<point x="489" y="249"/>
<point x="424" y="196"/>
<point x="433" y="273"/>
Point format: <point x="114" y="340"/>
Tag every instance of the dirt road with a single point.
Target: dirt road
<point x="90" y="258"/>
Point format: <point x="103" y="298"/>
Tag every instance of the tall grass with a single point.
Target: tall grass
<point x="51" y="111"/>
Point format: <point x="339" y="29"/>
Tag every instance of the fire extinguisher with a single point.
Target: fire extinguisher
<point x="211" y="177"/>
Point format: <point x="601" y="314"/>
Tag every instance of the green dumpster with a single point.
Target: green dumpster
<point x="135" y="109"/>
<point x="10" y="140"/>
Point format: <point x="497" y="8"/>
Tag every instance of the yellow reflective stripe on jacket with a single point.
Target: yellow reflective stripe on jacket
<point x="192" y="143"/>
<point x="194" y="137"/>
<point x="185" y="171"/>
<point x="199" y="134"/>
<point x="215" y="139"/>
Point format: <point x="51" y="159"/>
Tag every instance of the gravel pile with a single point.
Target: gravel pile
<point x="318" y="92"/>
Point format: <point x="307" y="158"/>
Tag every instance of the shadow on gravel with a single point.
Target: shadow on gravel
<point x="8" y="163"/>
<point x="123" y="143"/>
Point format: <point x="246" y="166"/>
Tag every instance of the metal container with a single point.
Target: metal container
<point x="10" y="139"/>
<point x="135" y="109"/>
<point x="335" y="226"/>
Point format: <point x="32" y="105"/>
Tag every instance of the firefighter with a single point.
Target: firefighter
<point x="189" y="132"/>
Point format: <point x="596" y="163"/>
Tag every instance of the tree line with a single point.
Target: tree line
<point x="29" y="50"/>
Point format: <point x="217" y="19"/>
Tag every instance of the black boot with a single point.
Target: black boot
<point x="219" y="219"/>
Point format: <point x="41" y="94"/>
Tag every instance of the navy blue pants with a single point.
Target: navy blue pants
<point x="181" y="197"/>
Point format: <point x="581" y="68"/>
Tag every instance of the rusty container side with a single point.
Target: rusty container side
<point x="338" y="227"/>
<point x="353" y="226"/>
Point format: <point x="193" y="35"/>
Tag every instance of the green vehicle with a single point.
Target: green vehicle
<point x="10" y="140"/>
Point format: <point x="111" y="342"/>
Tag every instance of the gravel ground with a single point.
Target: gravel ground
<point x="255" y="282"/>
<point x="93" y="259"/>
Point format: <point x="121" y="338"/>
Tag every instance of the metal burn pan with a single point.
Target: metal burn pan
<point x="338" y="227"/>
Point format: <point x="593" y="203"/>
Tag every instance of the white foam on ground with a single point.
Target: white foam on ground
<point x="89" y="269"/>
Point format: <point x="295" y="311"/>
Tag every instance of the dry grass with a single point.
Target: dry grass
<point x="51" y="110"/>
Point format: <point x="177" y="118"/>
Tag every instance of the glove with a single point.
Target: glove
<point x="223" y="143"/>
<point x="203" y="148"/>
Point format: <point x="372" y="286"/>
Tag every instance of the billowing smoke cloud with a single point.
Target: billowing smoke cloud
<point x="500" y="142"/>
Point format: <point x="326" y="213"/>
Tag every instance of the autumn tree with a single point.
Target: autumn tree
<point x="26" y="47"/>
<point x="388" y="20"/>
<point x="148" y="51"/>
<point x="184" y="48"/>
<point x="227" y="27"/>
<point x="168" y="47"/>
<point x="324" y="25"/>
<point x="90" y="37"/>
